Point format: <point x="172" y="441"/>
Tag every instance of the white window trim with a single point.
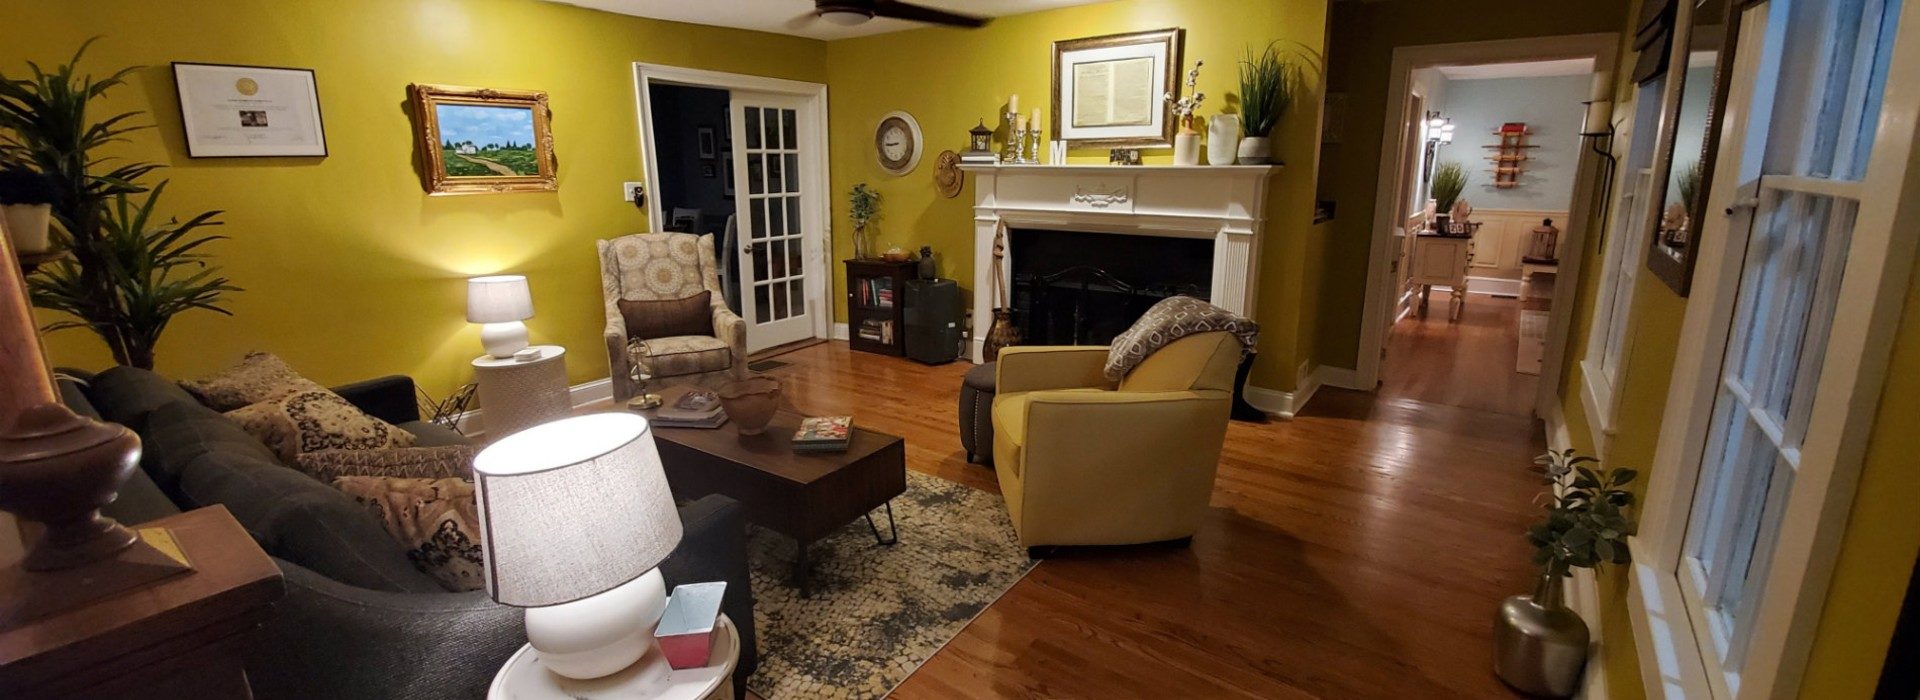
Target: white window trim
<point x="1598" y="393"/>
<point x="1676" y="660"/>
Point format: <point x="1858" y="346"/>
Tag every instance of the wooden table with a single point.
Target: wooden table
<point x="179" y="637"/>
<point x="650" y="678"/>
<point x="805" y="496"/>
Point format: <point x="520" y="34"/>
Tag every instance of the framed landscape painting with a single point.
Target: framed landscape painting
<point x="476" y="140"/>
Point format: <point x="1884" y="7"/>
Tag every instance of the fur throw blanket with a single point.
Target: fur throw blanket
<point x="1170" y="320"/>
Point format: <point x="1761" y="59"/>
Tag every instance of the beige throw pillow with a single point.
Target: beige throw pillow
<point x="316" y="419"/>
<point x="260" y="376"/>
<point x="434" y="519"/>
<point x="414" y="462"/>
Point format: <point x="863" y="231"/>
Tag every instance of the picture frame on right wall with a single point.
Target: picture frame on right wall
<point x="1691" y="123"/>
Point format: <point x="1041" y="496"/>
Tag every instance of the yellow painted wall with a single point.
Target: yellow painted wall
<point x="951" y="79"/>
<point x="1883" y="529"/>
<point x="350" y="269"/>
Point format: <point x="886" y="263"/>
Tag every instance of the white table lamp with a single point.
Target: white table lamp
<point x="500" y="302"/>
<point x="575" y="517"/>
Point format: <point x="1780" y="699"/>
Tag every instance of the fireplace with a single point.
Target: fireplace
<point x="1085" y="288"/>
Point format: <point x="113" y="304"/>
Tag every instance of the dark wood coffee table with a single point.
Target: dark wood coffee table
<point x="805" y="496"/>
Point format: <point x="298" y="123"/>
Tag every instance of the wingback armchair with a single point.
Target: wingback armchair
<point x="665" y="267"/>
<point x="1086" y="461"/>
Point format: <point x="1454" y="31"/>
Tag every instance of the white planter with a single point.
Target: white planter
<point x="26" y="226"/>
<point x="1186" y="148"/>
<point x="1223" y="134"/>
<point x="1256" y="150"/>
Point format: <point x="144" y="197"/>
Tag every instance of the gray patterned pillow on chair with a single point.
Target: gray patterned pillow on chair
<point x="1170" y="320"/>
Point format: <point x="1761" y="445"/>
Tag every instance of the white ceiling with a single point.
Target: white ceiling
<point x="1531" y="69"/>
<point x="795" y="17"/>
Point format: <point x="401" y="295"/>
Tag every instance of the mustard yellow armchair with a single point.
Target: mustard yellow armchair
<point x="1083" y="461"/>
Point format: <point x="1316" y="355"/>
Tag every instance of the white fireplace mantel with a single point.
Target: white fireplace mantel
<point x="1225" y="203"/>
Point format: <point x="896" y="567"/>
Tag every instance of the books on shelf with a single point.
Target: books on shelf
<point x="876" y="292"/>
<point x="685" y="406"/>
<point x="824" y="434"/>
<point x="877" y="330"/>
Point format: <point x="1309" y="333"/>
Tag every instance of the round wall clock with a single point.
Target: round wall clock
<point x="897" y="143"/>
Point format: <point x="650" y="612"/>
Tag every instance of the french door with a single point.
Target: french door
<point x="773" y="157"/>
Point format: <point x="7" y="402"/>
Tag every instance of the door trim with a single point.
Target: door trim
<point x="816" y="141"/>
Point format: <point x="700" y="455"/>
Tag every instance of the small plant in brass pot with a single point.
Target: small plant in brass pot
<point x="1540" y="646"/>
<point x="750" y="403"/>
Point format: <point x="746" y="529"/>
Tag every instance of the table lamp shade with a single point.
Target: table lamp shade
<point x="498" y="299"/>
<point x="573" y="508"/>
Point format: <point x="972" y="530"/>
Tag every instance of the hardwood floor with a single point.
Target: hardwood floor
<point x="1358" y="551"/>
<point x="1467" y="363"/>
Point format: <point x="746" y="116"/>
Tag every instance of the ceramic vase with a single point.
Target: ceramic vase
<point x="750" y="403"/>
<point x="1223" y="137"/>
<point x="1186" y="147"/>
<point x="26" y="226"/>
<point x="1256" y="150"/>
<point x="1540" y="646"/>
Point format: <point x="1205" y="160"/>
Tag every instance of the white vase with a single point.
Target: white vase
<point x="1186" y="148"/>
<point x="26" y="226"/>
<point x="1256" y="150"/>
<point x="1223" y="134"/>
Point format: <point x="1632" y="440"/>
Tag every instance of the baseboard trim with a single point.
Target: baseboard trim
<point x="1583" y="597"/>
<point x="1308" y="379"/>
<point x="839" y="331"/>
<point x="1559" y="436"/>
<point x="583" y="395"/>
<point x="1485" y="286"/>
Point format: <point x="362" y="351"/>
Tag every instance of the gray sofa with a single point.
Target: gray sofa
<point x="358" y="620"/>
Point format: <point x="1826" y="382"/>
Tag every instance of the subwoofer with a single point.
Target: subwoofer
<point x="933" y="320"/>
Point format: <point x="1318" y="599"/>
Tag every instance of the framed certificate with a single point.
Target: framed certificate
<point x="1117" y="90"/>
<point x="249" y="111"/>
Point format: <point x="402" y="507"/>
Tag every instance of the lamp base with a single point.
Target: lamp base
<point x="502" y="340"/>
<point x="599" y="635"/>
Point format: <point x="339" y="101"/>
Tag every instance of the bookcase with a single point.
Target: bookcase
<point x="876" y="305"/>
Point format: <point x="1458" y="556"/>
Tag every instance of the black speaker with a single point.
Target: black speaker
<point x="933" y="320"/>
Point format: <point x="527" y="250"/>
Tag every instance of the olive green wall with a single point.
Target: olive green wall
<point x="350" y="269"/>
<point x="1363" y="37"/>
<point x="951" y="79"/>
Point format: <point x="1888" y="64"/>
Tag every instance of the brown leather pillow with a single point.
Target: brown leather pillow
<point x="670" y="317"/>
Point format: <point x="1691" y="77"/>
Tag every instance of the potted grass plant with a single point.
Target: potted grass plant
<point x="1449" y="180"/>
<point x="1270" y="83"/>
<point x="1540" y="646"/>
<point x="26" y="209"/>
<point x="128" y="271"/>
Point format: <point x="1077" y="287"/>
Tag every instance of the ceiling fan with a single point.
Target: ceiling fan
<point x="848" y="13"/>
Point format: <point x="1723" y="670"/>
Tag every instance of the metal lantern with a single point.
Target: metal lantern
<point x="980" y="139"/>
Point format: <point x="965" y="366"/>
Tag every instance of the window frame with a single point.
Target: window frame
<point x="1678" y="655"/>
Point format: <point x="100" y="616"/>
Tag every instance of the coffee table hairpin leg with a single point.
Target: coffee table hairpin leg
<point x="893" y="527"/>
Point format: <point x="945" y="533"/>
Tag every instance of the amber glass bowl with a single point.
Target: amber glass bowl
<point x="750" y="403"/>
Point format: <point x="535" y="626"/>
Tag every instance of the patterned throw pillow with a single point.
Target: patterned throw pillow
<point x="415" y="462"/>
<point x="435" y="519"/>
<point x="260" y="376"/>
<point x="316" y="419"/>
<point x="1174" y="318"/>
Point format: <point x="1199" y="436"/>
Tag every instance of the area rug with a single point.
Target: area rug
<point x="878" y="612"/>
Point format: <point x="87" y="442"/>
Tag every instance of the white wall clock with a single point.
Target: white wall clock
<point x="897" y="143"/>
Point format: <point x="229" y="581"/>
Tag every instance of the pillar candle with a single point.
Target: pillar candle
<point x="1013" y="103"/>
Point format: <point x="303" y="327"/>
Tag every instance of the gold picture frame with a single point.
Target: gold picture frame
<point x="483" y="140"/>
<point x="1140" y="70"/>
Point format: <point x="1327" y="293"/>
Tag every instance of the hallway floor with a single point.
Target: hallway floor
<point x="1357" y="551"/>
<point x="1467" y="363"/>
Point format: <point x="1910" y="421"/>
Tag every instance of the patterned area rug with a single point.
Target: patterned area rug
<point x="878" y="612"/>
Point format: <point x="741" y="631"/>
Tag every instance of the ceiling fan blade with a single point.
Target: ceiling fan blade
<point x="917" y="13"/>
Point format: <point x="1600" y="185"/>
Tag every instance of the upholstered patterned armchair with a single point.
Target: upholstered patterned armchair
<point x="664" y="267"/>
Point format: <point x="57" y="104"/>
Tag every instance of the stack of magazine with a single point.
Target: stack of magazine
<point x="688" y="407"/>
<point x="824" y="434"/>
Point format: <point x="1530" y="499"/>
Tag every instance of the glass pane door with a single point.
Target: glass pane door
<point x="770" y="165"/>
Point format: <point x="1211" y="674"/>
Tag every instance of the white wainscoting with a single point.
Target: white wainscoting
<point x="1503" y="237"/>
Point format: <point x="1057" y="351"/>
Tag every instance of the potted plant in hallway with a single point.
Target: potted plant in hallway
<point x="128" y="272"/>
<point x="1449" y="180"/>
<point x="1540" y="646"/>
<point x="1269" y="84"/>
<point x="863" y="206"/>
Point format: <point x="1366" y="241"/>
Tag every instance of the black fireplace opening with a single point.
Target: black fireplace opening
<point x="1085" y="288"/>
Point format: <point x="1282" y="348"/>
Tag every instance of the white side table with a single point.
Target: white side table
<point x="523" y="678"/>
<point x="516" y="395"/>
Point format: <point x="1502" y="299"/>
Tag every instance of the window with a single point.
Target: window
<point x="1763" y="425"/>
<point x="1626" y="238"/>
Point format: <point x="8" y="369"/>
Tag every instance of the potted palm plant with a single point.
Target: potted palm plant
<point x="26" y="209"/>
<point x="1540" y="646"/>
<point x="128" y="272"/>
<point x="1449" y="180"/>
<point x="1270" y="83"/>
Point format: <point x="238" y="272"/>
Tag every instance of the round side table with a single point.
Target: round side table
<point x="523" y="678"/>
<point x="517" y="395"/>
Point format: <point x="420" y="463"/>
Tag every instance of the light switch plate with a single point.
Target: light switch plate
<point x="626" y="190"/>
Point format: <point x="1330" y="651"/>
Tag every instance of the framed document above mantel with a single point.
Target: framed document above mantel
<point x="249" y="111"/>
<point x="1116" y="91"/>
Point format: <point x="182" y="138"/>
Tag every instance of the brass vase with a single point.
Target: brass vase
<point x="1002" y="334"/>
<point x="1540" y="646"/>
